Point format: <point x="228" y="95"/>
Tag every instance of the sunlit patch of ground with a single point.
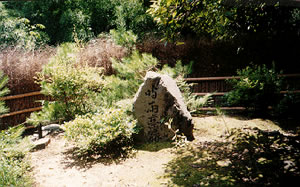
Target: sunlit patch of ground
<point x="235" y="151"/>
<point x="55" y="167"/>
<point x="210" y="128"/>
<point x="157" y="164"/>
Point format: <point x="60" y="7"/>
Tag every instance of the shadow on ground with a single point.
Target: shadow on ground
<point x="71" y="159"/>
<point x="86" y="162"/>
<point x="107" y="156"/>
<point x="154" y="147"/>
<point x="251" y="157"/>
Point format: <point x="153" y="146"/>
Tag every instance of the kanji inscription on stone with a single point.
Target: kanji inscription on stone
<point x="158" y="98"/>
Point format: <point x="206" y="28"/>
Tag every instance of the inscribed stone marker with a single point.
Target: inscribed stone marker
<point x="159" y="98"/>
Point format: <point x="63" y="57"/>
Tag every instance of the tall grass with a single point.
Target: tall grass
<point x="21" y="66"/>
<point x="99" y="52"/>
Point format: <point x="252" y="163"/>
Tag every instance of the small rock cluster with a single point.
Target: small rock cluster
<point x="41" y="143"/>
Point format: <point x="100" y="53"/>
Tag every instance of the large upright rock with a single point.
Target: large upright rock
<point x="157" y="99"/>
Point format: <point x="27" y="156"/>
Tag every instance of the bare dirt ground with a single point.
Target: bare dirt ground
<point x="55" y="167"/>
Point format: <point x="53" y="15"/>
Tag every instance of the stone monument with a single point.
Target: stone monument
<point x="158" y="99"/>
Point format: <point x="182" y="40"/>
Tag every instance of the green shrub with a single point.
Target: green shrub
<point x="109" y="132"/>
<point x="131" y="15"/>
<point x="124" y="38"/>
<point x="12" y="144"/>
<point x="72" y="86"/>
<point x="105" y="133"/>
<point x="3" y="92"/>
<point x="222" y="19"/>
<point x="258" y="87"/>
<point x="19" y="32"/>
<point x="13" y="166"/>
<point x="89" y="17"/>
<point x="52" y="111"/>
<point x="130" y="73"/>
<point x="288" y="105"/>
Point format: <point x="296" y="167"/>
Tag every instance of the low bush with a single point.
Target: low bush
<point x="109" y="131"/>
<point x="72" y="86"/>
<point x="13" y="165"/>
<point x="106" y="133"/>
<point x="257" y="88"/>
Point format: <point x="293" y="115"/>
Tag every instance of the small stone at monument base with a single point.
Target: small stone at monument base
<point x="158" y="100"/>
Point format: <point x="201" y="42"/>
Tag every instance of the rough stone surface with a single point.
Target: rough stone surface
<point x="41" y="144"/>
<point x="158" y="99"/>
<point x="52" y="127"/>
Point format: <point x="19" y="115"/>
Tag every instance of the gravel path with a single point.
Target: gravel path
<point x="54" y="167"/>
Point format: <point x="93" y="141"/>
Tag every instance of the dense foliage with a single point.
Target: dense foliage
<point x="82" y="95"/>
<point x="221" y="19"/>
<point x="108" y="133"/>
<point x="18" y="31"/>
<point x="258" y="87"/>
<point x="72" y="85"/>
<point x="13" y="165"/>
<point x="86" y="19"/>
<point x="288" y="105"/>
<point x="3" y="92"/>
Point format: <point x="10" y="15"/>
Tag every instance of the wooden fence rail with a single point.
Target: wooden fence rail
<point x="21" y="112"/>
<point x="20" y="96"/>
<point x="20" y="106"/>
<point x="203" y="85"/>
<point x="228" y="78"/>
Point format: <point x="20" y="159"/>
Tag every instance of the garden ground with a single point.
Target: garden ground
<point x="147" y="166"/>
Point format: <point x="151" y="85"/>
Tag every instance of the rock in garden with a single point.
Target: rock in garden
<point x="41" y="144"/>
<point x="52" y="127"/>
<point x="158" y="100"/>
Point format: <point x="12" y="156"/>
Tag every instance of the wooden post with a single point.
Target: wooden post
<point x="39" y="128"/>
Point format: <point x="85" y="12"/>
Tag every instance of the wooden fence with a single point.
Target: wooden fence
<point x="22" y="105"/>
<point x="219" y="86"/>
